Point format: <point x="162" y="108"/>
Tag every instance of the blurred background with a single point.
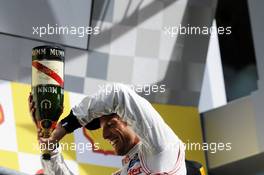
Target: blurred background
<point x="214" y="83"/>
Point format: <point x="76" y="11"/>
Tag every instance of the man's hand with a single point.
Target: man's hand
<point x="58" y="133"/>
<point x="32" y="109"/>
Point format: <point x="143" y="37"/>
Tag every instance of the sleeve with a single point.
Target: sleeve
<point x="56" y="165"/>
<point x="154" y="133"/>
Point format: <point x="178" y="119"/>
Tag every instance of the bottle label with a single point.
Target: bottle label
<point x="47" y="72"/>
<point x="49" y="102"/>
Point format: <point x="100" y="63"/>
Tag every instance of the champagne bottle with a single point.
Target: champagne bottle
<point x="47" y="88"/>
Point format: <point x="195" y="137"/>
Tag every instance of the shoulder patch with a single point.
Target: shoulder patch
<point x="133" y="161"/>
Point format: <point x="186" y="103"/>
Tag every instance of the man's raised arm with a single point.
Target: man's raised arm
<point x="154" y="133"/>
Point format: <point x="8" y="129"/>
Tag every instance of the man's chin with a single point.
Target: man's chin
<point x="120" y="152"/>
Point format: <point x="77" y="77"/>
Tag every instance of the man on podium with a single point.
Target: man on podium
<point x="130" y="124"/>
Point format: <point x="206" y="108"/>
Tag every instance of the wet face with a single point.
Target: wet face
<point x="118" y="133"/>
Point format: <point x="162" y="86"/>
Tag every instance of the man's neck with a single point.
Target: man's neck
<point x="132" y="150"/>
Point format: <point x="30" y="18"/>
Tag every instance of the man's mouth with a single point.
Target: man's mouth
<point x="113" y="142"/>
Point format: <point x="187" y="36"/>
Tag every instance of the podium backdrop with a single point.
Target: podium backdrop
<point x="18" y="146"/>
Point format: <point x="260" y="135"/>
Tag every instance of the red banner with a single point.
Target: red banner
<point x="1" y="114"/>
<point x="100" y="150"/>
<point x="48" y="72"/>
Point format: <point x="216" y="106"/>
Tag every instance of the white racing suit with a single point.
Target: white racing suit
<point x="160" y="150"/>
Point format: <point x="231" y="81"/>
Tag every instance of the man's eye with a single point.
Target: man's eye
<point x="111" y="125"/>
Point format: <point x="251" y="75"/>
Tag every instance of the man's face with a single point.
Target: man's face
<point x="118" y="133"/>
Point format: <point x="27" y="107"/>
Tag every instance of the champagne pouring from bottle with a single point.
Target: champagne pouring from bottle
<point x="47" y="88"/>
